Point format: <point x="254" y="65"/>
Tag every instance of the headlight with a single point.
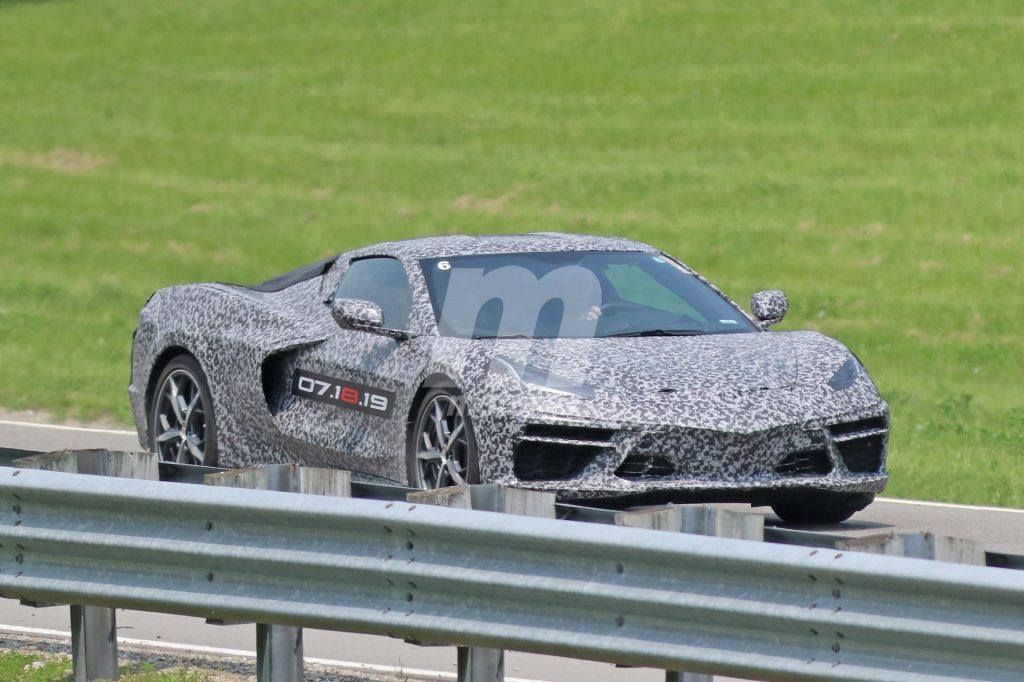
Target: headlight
<point x="539" y="379"/>
<point x="846" y="375"/>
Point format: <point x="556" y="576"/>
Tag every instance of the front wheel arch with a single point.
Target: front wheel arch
<point x="435" y="380"/>
<point x="162" y="360"/>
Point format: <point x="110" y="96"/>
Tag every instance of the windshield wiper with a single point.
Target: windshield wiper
<point x="506" y="336"/>
<point x="655" y="332"/>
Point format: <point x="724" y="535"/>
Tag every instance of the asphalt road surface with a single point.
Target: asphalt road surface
<point x="998" y="530"/>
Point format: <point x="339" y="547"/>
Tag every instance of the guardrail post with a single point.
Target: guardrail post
<point x="279" y="656"/>
<point x="94" y="628"/>
<point x="93" y="643"/>
<point x="482" y="664"/>
<point x="698" y="520"/>
<point x="920" y="546"/>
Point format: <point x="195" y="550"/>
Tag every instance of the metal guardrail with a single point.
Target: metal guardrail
<point x="432" y="574"/>
<point x="187" y="473"/>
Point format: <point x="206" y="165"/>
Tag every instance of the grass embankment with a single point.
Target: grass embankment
<point x="864" y="156"/>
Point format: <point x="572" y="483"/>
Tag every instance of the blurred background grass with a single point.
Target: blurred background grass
<point x="864" y="156"/>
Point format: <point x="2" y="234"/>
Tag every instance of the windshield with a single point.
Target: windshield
<point x="581" y="294"/>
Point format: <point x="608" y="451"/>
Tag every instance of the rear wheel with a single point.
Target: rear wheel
<point x="440" y="447"/>
<point x="182" y="427"/>
<point x="819" y="506"/>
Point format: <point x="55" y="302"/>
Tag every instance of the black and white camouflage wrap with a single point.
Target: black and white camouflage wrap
<point x="769" y="306"/>
<point x="724" y="411"/>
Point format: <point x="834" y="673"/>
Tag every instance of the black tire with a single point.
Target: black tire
<point x="184" y="368"/>
<point x="463" y="449"/>
<point x="820" y="507"/>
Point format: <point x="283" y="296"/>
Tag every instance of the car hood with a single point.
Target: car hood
<point x="693" y="364"/>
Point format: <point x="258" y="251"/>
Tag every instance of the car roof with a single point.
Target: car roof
<point x="447" y="246"/>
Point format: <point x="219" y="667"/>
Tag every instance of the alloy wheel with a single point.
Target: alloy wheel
<point x="442" y="448"/>
<point x="180" y="420"/>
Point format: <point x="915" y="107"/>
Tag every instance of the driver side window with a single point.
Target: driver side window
<point x="381" y="280"/>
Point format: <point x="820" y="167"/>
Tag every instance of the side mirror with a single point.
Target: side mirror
<point x="357" y="314"/>
<point x="364" y="316"/>
<point x="769" y="307"/>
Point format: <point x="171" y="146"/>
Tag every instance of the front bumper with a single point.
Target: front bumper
<point x="586" y="460"/>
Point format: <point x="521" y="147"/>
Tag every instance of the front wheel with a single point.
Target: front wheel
<point x="820" y="507"/>
<point x="182" y="427"/>
<point x="440" y="447"/>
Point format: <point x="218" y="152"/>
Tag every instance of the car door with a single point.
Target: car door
<point x="351" y="392"/>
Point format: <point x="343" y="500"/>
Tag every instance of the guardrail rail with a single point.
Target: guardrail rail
<point x="425" y="573"/>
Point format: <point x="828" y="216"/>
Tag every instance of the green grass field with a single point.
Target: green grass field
<point x="867" y="157"/>
<point x="16" y="666"/>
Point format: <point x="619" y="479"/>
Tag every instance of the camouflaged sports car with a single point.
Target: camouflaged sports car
<point x="598" y="368"/>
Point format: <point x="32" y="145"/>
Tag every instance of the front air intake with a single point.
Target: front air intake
<point x="568" y="432"/>
<point x="645" y="466"/>
<point x="545" y="461"/>
<point x="863" y="455"/>
<point x="807" y="463"/>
